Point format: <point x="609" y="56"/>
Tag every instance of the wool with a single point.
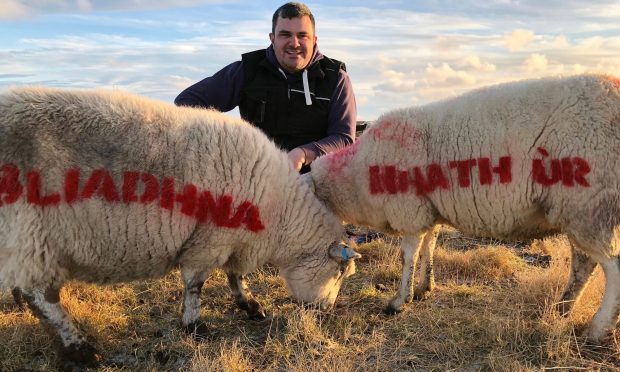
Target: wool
<point x="104" y="186"/>
<point x="513" y="161"/>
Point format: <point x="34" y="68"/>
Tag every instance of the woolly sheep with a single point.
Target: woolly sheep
<point x="512" y="161"/>
<point x="107" y="187"/>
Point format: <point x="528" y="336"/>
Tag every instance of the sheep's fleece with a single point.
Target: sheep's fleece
<point x="512" y="161"/>
<point x="103" y="186"/>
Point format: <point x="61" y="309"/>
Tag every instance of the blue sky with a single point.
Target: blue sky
<point x="398" y="53"/>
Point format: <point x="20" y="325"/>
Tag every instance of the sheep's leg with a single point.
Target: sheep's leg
<point x="426" y="282"/>
<point x="581" y="270"/>
<point x="18" y="297"/>
<point x="596" y="232"/>
<point x="243" y="297"/>
<point x="604" y="320"/>
<point x="410" y="247"/>
<point x="74" y="351"/>
<point x="193" y="280"/>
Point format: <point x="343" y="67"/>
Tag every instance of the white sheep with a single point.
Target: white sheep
<point x="512" y="161"/>
<point x="107" y="187"/>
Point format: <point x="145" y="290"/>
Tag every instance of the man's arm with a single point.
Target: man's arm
<point x="221" y="91"/>
<point x="341" y="121"/>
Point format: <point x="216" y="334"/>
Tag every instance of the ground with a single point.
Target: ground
<point x="492" y="309"/>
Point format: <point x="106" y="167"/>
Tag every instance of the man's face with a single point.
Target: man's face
<point x="293" y="42"/>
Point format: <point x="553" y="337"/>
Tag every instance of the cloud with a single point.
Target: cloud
<point x="475" y="63"/>
<point x="14" y="9"/>
<point x="397" y="53"/>
<point x="399" y="86"/>
<point x="592" y="43"/>
<point x="180" y="82"/>
<point x="395" y="81"/>
<point x="561" y="42"/>
<point x="362" y="100"/>
<point x="517" y="39"/>
<point x="536" y="63"/>
<point x="446" y="74"/>
<point x="446" y="43"/>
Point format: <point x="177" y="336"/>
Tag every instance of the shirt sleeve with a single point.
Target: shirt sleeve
<point x="341" y="121"/>
<point x="221" y="91"/>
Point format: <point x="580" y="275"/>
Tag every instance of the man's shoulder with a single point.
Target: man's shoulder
<point x="332" y="64"/>
<point x="251" y="62"/>
<point x="255" y="55"/>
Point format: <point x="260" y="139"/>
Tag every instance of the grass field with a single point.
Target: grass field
<point x="492" y="309"/>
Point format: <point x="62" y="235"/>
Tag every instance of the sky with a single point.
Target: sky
<point x="397" y="53"/>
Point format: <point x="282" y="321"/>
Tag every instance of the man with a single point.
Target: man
<point x="300" y="98"/>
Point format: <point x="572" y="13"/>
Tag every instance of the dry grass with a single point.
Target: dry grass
<point x="490" y="311"/>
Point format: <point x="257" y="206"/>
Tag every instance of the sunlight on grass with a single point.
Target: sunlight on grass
<point x="490" y="310"/>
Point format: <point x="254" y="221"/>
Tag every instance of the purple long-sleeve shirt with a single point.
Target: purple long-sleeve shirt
<point x="222" y="91"/>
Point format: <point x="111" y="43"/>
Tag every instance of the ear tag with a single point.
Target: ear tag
<point x="345" y="253"/>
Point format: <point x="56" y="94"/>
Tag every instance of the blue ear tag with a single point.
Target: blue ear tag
<point x="345" y="254"/>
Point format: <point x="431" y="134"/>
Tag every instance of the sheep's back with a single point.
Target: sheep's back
<point x="510" y="125"/>
<point x="45" y="133"/>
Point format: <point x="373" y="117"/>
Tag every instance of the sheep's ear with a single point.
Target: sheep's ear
<point x="307" y="179"/>
<point x="343" y="252"/>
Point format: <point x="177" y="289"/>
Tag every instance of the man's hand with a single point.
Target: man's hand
<point x="297" y="156"/>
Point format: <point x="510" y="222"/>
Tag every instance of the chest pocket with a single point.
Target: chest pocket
<point x="260" y="102"/>
<point x="308" y="121"/>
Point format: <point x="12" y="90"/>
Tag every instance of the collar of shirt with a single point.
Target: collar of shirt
<point x="271" y="57"/>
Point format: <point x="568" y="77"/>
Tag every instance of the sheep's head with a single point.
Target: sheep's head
<point x="317" y="279"/>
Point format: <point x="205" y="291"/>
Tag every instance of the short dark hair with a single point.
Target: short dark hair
<point x="291" y="10"/>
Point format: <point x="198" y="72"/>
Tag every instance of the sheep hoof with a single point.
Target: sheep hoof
<point x="598" y="345"/>
<point x="258" y="316"/>
<point x="78" y="357"/>
<point x="563" y="308"/>
<point x="597" y="339"/>
<point x="253" y="309"/>
<point x="390" y="310"/>
<point x="421" y="295"/>
<point x="18" y="298"/>
<point x="199" y="331"/>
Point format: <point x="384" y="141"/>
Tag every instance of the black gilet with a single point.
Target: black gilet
<point x="280" y="110"/>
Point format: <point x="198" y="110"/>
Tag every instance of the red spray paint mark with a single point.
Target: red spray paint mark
<point x="167" y="193"/>
<point x="190" y="201"/>
<point x="72" y="185"/>
<point x="581" y="169"/>
<point x="463" y="168"/>
<point x="101" y="183"/>
<point x="404" y="135"/>
<point x="130" y="182"/>
<point x="486" y="170"/>
<point x="376" y="183"/>
<point x="221" y="212"/>
<point x="34" y="191"/>
<point x="567" y="170"/>
<point x="435" y="178"/>
<point x="10" y="187"/>
<point x="151" y="188"/>
<point x="390" y="180"/>
<point x="615" y="81"/>
<point x="338" y="160"/>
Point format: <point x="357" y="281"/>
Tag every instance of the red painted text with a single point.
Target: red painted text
<point x="135" y="187"/>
